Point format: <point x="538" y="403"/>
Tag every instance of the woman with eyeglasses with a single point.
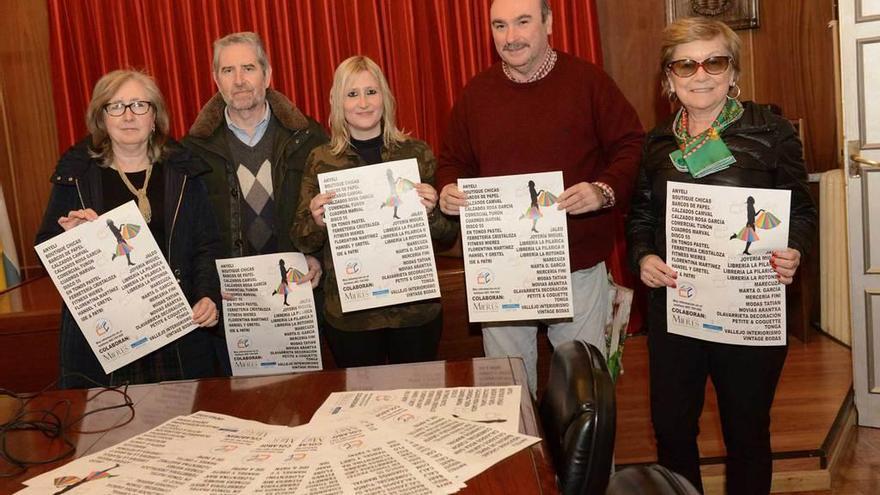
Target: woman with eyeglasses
<point x="363" y="131"/>
<point x="713" y="139"/>
<point x="129" y="156"/>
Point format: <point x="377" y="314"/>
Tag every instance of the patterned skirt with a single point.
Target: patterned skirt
<point x="747" y="234"/>
<point x="392" y="201"/>
<point x="123" y="248"/>
<point x="532" y="213"/>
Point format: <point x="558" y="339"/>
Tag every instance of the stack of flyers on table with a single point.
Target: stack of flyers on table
<point x="368" y="445"/>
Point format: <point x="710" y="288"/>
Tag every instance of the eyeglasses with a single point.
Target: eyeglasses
<point x="687" y="67"/>
<point x="118" y="108"/>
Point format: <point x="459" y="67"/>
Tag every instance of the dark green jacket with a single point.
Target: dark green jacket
<point x="295" y="138"/>
<point x="312" y="239"/>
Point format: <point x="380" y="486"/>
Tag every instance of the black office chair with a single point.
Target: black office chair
<point x="652" y="479"/>
<point x="578" y="415"/>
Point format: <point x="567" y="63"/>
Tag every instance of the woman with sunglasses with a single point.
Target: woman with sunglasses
<point x="713" y="139"/>
<point x="129" y="156"/>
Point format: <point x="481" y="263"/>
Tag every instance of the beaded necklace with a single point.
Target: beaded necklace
<point x="690" y="144"/>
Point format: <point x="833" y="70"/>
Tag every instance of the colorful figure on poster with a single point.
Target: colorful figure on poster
<point x="538" y="199"/>
<point x="397" y="187"/>
<point x="760" y="219"/>
<point x="122" y="234"/>
<point x="288" y="276"/>
<point x="68" y="483"/>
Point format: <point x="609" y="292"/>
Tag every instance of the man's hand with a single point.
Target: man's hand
<point x="582" y="197"/>
<point x="315" y="271"/>
<point x="452" y="199"/>
<point x="77" y="217"/>
<point x="205" y="312"/>
<point x="316" y="207"/>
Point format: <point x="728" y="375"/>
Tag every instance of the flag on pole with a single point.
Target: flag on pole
<point x="9" y="274"/>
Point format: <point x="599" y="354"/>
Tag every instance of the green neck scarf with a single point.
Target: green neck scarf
<point x="706" y="152"/>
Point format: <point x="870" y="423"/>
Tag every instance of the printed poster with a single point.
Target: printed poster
<point x="515" y="244"/>
<point x="379" y="236"/>
<point x="271" y="324"/>
<point x="719" y="240"/>
<point x="118" y="286"/>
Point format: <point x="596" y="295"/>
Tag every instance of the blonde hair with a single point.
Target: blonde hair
<point x="340" y="137"/>
<point x="242" y="38"/>
<point x="105" y="88"/>
<point x="688" y="29"/>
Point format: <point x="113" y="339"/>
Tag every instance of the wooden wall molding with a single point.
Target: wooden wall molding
<point x="28" y="136"/>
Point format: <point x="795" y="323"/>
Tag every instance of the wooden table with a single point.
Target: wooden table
<point x="283" y="400"/>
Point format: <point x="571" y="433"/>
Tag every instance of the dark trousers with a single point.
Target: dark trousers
<point x="745" y="379"/>
<point x="385" y="345"/>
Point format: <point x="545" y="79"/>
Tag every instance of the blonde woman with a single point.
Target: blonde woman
<point x="129" y="156"/>
<point x="363" y="132"/>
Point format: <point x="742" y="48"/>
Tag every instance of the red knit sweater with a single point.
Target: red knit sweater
<point x="575" y="120"/>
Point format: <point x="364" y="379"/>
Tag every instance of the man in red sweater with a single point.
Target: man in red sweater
<point x="539" y="110"/>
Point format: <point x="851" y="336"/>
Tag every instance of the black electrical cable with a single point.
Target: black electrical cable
<point x="55" y="423"/>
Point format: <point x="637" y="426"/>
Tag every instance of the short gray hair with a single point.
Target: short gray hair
<point x="244" y="38"/>
<point x="545" y="10"/>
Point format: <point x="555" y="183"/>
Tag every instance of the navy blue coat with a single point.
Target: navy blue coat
<point x="192" y="246"/>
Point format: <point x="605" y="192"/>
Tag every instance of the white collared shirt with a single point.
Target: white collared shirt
<point x="259" y="129"/>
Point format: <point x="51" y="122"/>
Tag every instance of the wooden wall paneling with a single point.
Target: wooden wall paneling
<point x="30" y="142"/>
<point x="630" y="33"/>
<point x="460" y="339"/>
<point x="793" y="67"/>
<point x="747" y="67"/>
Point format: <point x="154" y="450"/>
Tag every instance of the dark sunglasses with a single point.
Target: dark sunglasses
<point x="687" y="67"/>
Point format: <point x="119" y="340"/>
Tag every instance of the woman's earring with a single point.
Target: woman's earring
<point x="736" y="87"/>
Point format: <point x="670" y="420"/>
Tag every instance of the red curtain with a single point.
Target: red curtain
<point x="427" y="49"/>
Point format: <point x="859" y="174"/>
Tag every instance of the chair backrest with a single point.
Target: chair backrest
<point x="578" y="416"/>
<point x="652" y="479"/>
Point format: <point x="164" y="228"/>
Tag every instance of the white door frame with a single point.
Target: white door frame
<point x="859" y="30"/>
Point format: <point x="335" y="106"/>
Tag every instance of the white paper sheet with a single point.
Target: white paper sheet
<point x="271" y="324"/>
<point x="722" y="294"/>
<point x="494" y="406"/>
<point x="475" y="446"/>
<point x="163" y="458"/>
<point x="379" y="236"/>
<point x="515" y="248"/>
<point x="125" y="309"/>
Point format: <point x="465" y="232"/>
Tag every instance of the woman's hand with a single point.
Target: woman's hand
<point x="77" y="217"/>
<point x="452" y="199"/>
<point x="428" y="195"/>
<point x="785" y="263"/>
<point x="205" y="312"/>
<point x="315" y="271"/>
<point x="655" y="273"/>
<point x="316" y="206"/>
